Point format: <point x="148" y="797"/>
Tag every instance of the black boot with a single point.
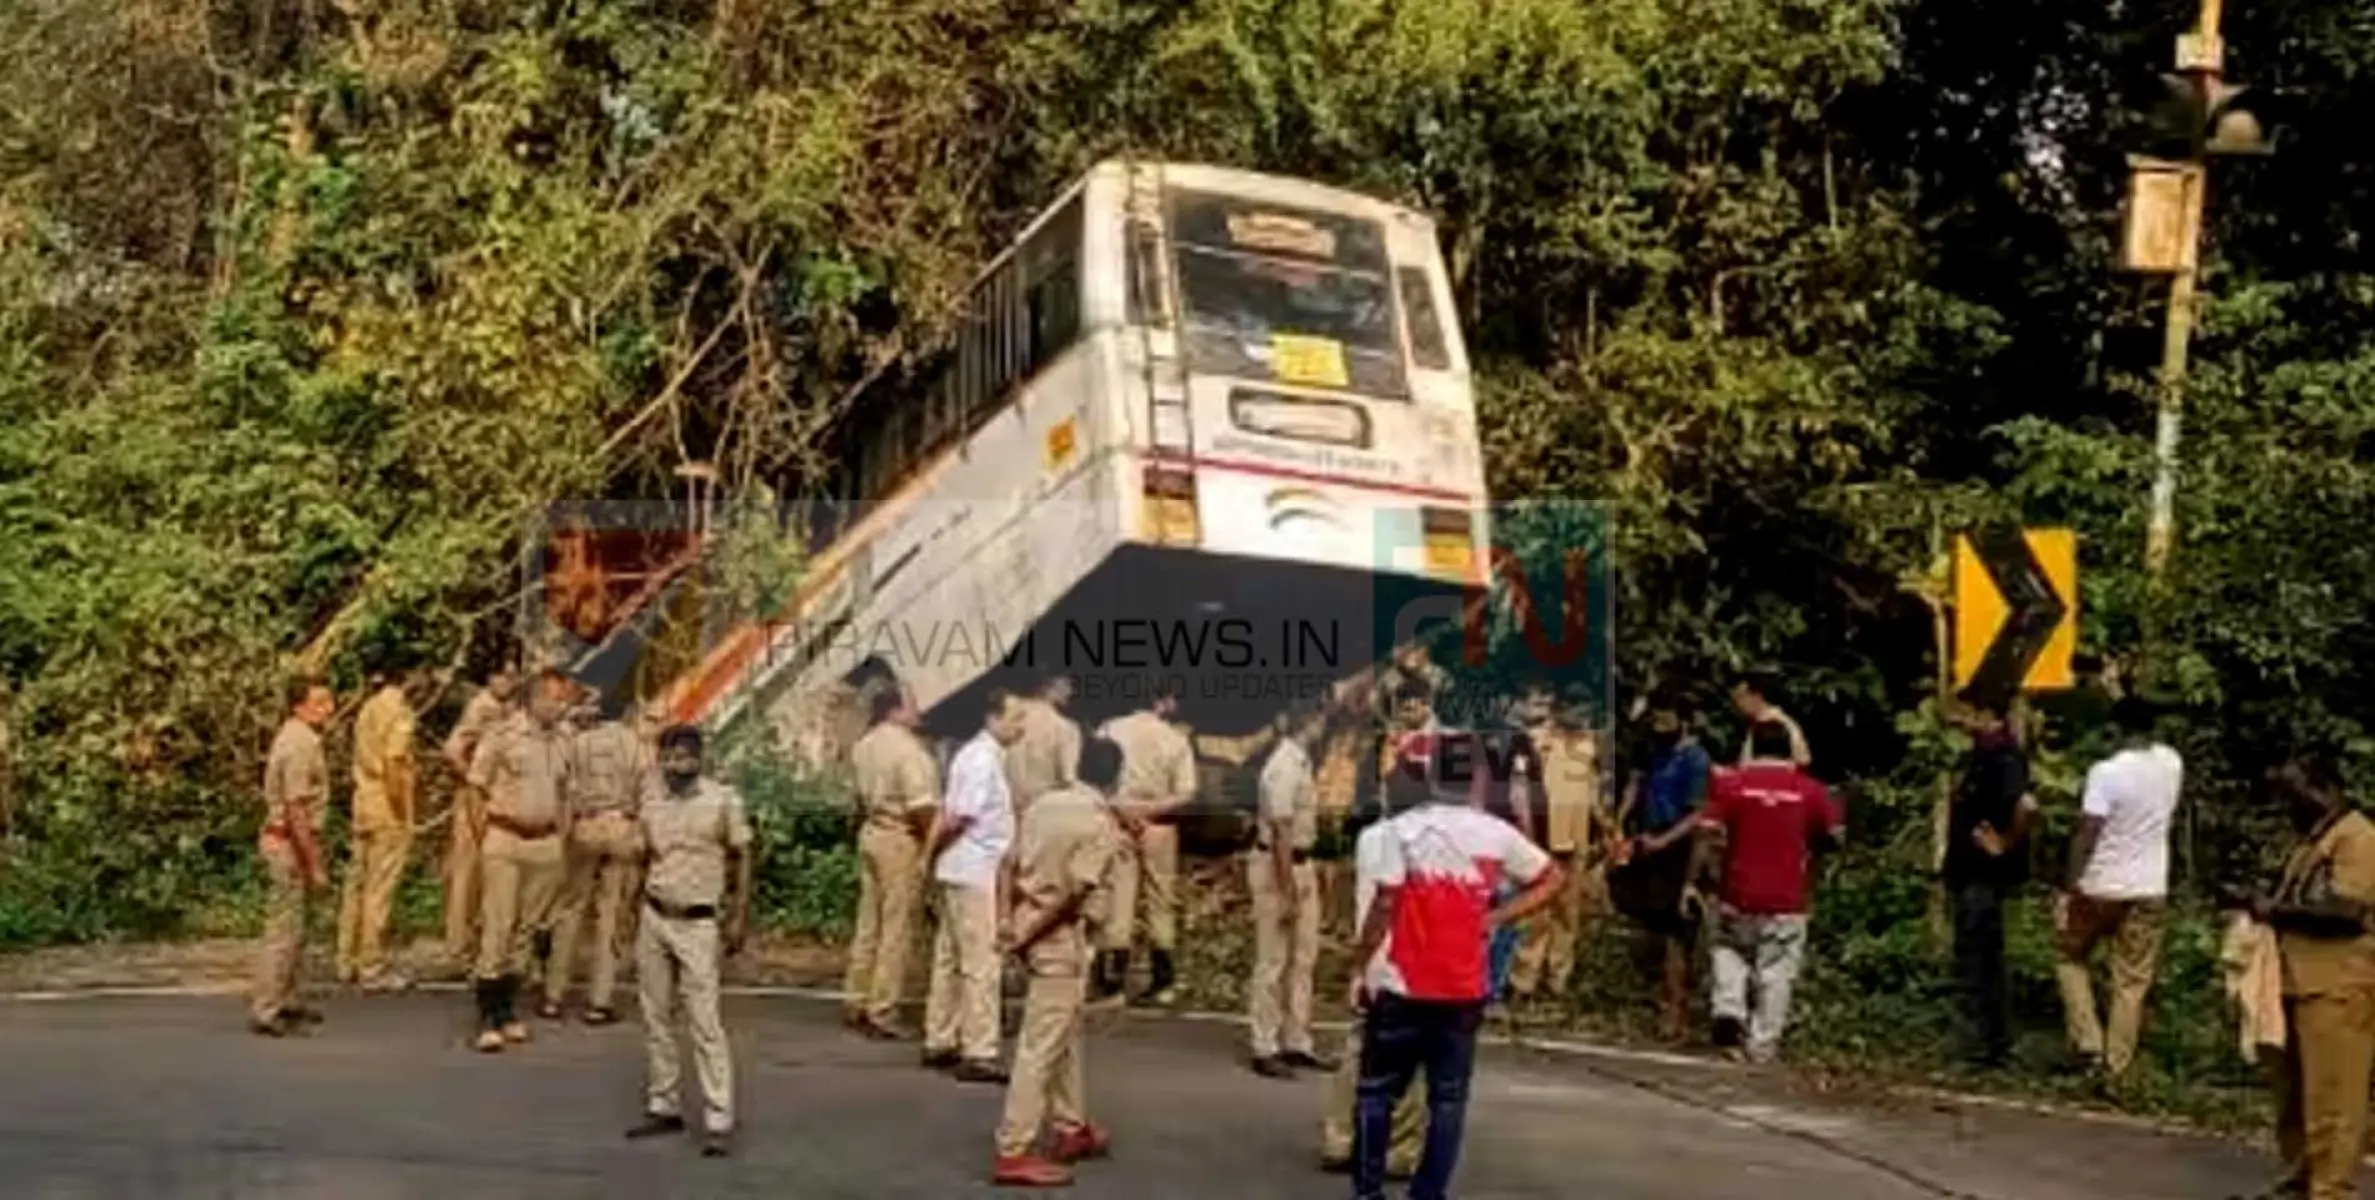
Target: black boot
<point x="1161" y="984"/>
<point x="1111" y="974"/>
<point x="507" y="1007"/>
<point x="490" y="1014"/>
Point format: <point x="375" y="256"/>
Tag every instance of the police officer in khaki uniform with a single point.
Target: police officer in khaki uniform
<point x="2322" y="909"/>
<point x="486" y="709"/>
<point x="1043" y="757"/>
<point x="1285" y="888"/>
<point x="523" y="765"/>
<point x="296" y="799"/>
<point x="1158" y="780"/>
<point x="1570" y="787"/>
<point x="1061" y="864"/>
<point x="379" y="837"/>
<point x="605" y="848"/>
<point x="898" y="784"/>
<point x="578" y="716"/>
<point x="696" y="903"/>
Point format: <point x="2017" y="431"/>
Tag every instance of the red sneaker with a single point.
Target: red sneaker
<point x="1029" y="1170"/>
<point x="1078" y="1143"/>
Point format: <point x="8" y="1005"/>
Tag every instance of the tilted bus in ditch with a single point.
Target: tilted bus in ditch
<point x="1198" y="424"/>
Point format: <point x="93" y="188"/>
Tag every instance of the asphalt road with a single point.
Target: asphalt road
<point x="169" y="1097"/>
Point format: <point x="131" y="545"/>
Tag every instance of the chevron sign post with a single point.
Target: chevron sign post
<point x="2015" y="611"/>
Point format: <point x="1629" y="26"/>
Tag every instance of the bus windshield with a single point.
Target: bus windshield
<point x="1286" y="294"/>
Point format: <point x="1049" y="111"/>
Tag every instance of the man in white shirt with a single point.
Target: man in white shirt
<point x="2118" y="888"/>
<point x="967" y="850"/>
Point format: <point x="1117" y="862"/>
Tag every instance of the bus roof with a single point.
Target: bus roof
<point x="1280" y="189"/>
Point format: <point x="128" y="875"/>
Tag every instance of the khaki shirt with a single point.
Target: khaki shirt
<point x="383" y="739"/>
<point x="1046" y="755"/>
<point x="2339" y="862"/>
<point x="1158" y="761"/>
<point x="1290" y="798"/>
<point x="609" y="769"/>
<point x="296" y="778"/>
<point x="688" y="837"/>
<point x="1570" y="786"/>
<point x="1066" y="843"/>
<point x="481" y="714"/>
<point x="525" y="773"/>
<point x="896" y="775"/>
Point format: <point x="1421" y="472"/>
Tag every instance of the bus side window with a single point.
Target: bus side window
<point x="1145" y="273"/>
<point x="1055" y="310"/>
<point x="973" y="372"/>
<point x="907" y="425"/>
<point x="1010" y="343"/>
<point x="941" y="421"/>
<point x="1429" y="349"/>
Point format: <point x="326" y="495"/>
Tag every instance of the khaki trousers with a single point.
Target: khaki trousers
<point x="2321" y="1122"/>
<point x="961" y="1013"/>
<point x="518" y="880"/>
<point x="676" y="965"/>
<point x="1285" y="953"/>
<point x="1048" y="1083"/>
<point x="462" y="873"/>
<point x="604" y="851"/>
<point x="1146" y="891"/>
<point x="1545" y="958"/>
<point x="890" y="882"/>
<point x="283" y="946"/>
<point x="1410" y="1116"/>
<point x="2133" y="927"/>
<point x="374" y="866"/>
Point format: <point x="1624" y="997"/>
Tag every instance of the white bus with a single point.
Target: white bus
<point x="1198" y="424"/>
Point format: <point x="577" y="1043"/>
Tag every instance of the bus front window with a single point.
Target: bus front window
<point x="1284" y="295"/>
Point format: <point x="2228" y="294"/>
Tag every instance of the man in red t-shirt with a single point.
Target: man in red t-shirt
<point x="1765" y="820"/>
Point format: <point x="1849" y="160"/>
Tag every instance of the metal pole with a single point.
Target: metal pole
<point x="2162" y="533"/>
<point x="2202" y="62"/>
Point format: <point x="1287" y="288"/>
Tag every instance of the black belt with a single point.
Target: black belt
<point x="688" y="912"/>
<point x="1294" y="856"/>
<point x="521" y="829"/>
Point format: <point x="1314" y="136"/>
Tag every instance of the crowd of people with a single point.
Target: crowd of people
<point x="563" y="816"/>
<point x="1480" y="855"/>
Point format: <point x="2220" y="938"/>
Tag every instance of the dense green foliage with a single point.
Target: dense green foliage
<point x="305" y="306"/>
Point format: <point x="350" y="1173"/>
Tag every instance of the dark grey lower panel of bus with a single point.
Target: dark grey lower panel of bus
<point x="1242" y="640"/>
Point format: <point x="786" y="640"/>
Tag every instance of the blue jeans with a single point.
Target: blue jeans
<point x="1501" y="946"/>
<point x="1400" y="1037"/>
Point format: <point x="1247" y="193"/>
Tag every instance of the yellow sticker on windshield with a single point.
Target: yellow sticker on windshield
<point x="1316" y="361"/>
